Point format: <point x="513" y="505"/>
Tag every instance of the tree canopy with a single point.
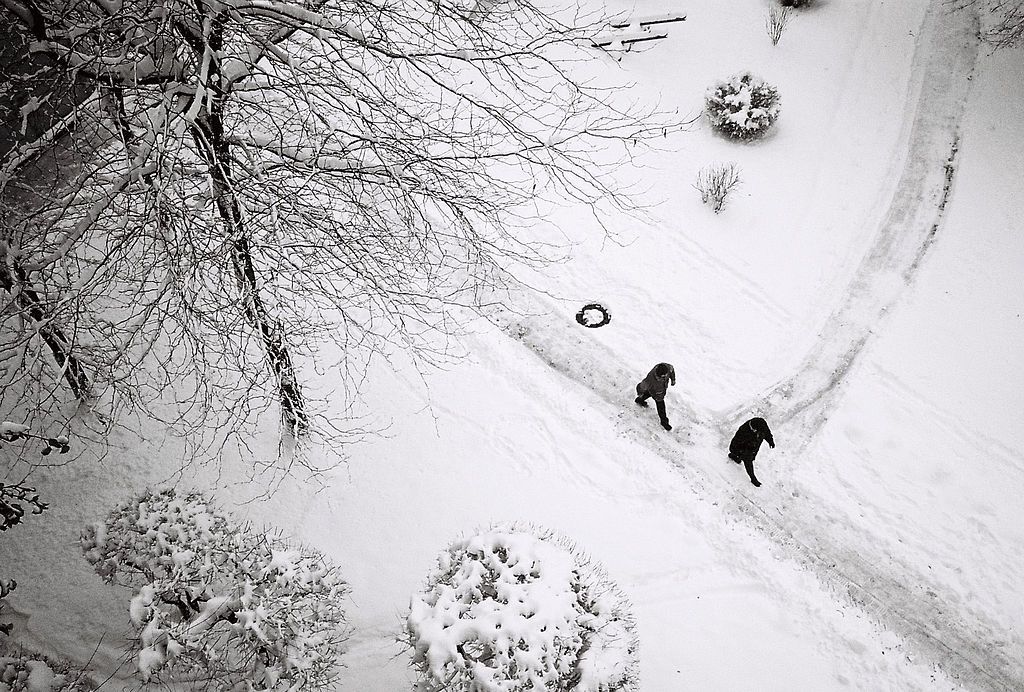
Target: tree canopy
<point x="250" y="180"/>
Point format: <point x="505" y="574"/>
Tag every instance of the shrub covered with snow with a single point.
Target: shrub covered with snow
<point x="219" y="601"/>
<point x="743" y="106"/>
<point x="514" y="609"/>
<point x="25" y="671"/>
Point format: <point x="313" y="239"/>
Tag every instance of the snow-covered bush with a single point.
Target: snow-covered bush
<point x="25" y="671"/>
<point x="715" y="182"/>
<point x="515" y="608"/>
<point x="217" y="601"/>
<point x="743" y="107"/>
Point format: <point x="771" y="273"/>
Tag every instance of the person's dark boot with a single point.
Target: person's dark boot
<point x="664" y="424"/>
<point x="640" y="400"/>
<point x="734" y="457"/>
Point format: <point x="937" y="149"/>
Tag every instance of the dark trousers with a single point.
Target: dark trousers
<point x="747" y="459"/>
<point x="658" y="403"/>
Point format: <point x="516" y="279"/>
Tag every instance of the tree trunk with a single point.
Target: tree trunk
<point x="14" y="277"/>
<point x="209" y="136"/>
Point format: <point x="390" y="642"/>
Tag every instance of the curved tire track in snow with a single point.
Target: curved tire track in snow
<point x="963" y="643"/>
<point x="947" y="49"/>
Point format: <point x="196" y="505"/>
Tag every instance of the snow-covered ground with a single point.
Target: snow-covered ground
<point x="886" y="540"/>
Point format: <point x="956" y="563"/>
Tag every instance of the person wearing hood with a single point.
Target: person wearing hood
<point x="654" y="387"/>
<point x="746" y="443"/>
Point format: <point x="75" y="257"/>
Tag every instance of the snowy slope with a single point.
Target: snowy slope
<point x="888" y="525"/>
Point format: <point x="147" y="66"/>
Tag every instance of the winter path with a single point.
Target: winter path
<point x="943" y="68"/>
<point x="966" y="644"/>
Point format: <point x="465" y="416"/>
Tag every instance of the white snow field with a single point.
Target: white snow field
<point x="861" y="291"/>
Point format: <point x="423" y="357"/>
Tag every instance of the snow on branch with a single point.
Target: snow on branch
<point x="293" y="15"/>
<point x="220" y="601"/>
<point x="306" y="155"/>
<point x="29" y="150"/>
<point x="516" y="608"/>
<point x="743" y="106"/>
<point x="145" y="69"/>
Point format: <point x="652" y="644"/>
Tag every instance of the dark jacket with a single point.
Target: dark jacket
<point x="654" y="386"/>
<point x="747" y="440"/>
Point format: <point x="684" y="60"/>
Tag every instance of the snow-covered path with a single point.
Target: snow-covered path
<point x="845" y="558"/>
<point x="947" y="50"/>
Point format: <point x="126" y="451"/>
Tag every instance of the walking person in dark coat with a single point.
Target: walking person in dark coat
<point x="747" y="441"/>
<point x="654" y="387"/>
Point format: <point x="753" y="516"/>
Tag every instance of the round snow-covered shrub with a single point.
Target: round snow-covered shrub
<point x="515" y="609"/>
<point x="743" y="107"/>
<point x="219" y="601"/>
<point x="27" y="671"/>
<point x="155" y="536"/>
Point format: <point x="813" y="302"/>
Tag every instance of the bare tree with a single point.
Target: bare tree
<point x="249" y="182"/>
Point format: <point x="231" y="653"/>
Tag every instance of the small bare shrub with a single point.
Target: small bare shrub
<point x="778" y="19"/>
<point x="715" y="182"/>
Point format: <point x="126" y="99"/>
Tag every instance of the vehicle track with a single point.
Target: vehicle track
<point x="947" y="50"/>
<point x="965" y="644"/>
